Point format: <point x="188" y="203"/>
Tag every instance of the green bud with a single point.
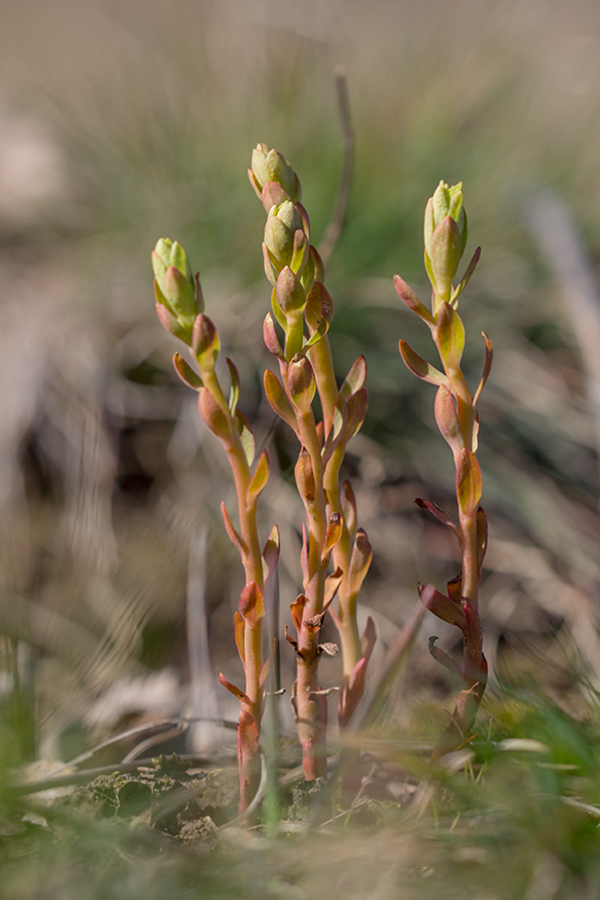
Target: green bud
<point x="270" y="165"/>
<point x="176" y="288"/>
<point x="289" y="291"/>
<point x="282" y="224"/>
<point x="445" y="233"/>
<point x="205" y="343"/>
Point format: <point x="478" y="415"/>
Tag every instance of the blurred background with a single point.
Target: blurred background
<point x="124" y="122"/>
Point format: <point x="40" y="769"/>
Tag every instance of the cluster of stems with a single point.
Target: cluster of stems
<point x="180" y="308"/>
<point x="336" y="555"/>
<point x="458" y="421"/>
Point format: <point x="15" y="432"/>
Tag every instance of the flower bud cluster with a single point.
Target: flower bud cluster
<point x="178" y="293"/>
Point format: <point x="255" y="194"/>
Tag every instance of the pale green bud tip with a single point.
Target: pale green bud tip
<point x="168" y="253"/>
<point x="270" y="165"/>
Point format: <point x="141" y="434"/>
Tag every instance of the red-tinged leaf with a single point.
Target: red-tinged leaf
<point x="468" y="482"/>
<point x="270" y="337"/>
<point x="291" y="641"/>
<point x="336" y="433"/>
<point x="466" y="277"/>
<point x="441" y="606"/>
<point x="443" y="517"/>
<point x="301" y="382"/>
<point x="450" y="335"/>
<point x="304" y="216"/>
<point x="353" y="693"/>
<point x="272" y="195"/>
<point x="252" y="604"/>
<point x="349" y="508"/>
<point x="447" y="419"/>
<point x="455" y="589"/>
<point x="270" y="554"/>
<point x="240" y="634"/>
<point x="444" y="250"/>
<point x="360" y="561"/>
<point x="172" y="325"/>
<point x="270" y="272"/>
<point x="319" y="309"/>
<point x="234" y="537"/>
<point x="264" y="672"/>
<point x="419" y="367"/>
<point x="332" y="584"/>
<point x="233" y="689"/>
<point x="213" y="416"/>
<point x="442" y="657"/>
<point x="260" y="477"/>
<point x="186" y="373"/>
<point x="297" y="609"/>
<point x="333" y="534"/>
<point x="409" y="298"/>
<point x="487" y="367"/>
<point x="482" y="534"/>
<point x="305" y="479"/>
<point x="278" y="401"/>
<point x="205" y="343"/>
<point x="368" y="639"/>
<point x="234" y="391"/>
<point x="246" y="436"/>
<point x="355" y="379"/>
<point x="356" y="406"/>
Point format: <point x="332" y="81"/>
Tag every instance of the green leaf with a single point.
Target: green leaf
<point x="246" y="436"/>
<point x="355" y="378"/>
<point x="278" y="400"/>
<point x="468" y="482"/>
<point x="260" y="477"/>
<point x="186" y="373"/>
<point x="450" y="335"/>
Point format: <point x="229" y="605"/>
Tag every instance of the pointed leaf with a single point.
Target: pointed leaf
<point x="319" y="308"/>
<point x="305" y="479"/>
<point x="233" y="689"/>
<point x="333" y="533"/>
<point x="368" y="639"/>
<point x="186" y="373"/>
<point x="246" y="436"/>
<point x="205" y="343"/>
<point x="356" y="406"/>
<point x="410" y="299"/>
<point x="355" y="379"/>
<point x="213" y="416"/>
<point x="441" y="606"/>
<point x="487" y="367"/>
<point x="270" y="337"/>
<point x="240" y="634"/>
<point x="272" y="195"/>
<point x="234" y="391"/>
<point x="338" y="426"/>
<point x="360" y="561"/>
<point x="260" y="477"/>
<point x="270" y="555"/>
<point x="442" y="657"/>
<point x="278" y="400"/>
<point x="466" y="277"/>
<point x="301" y="382"/>
<point x="172" y="324"/>
<point x="468" y="482"/>
<point x="353" y="693"/>
<point x="234" y="537"/>
<point x="297" y="608"/>
<point x="447" y="419"/>
<point x="419" y="367"/>
<point x="252" y="604"/>
<point x="450" y="335"/>
<point x="442" y="516"/>
<point x="332" y="584"/>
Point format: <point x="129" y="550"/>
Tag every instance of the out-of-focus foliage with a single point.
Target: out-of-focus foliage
<point x="122" y="122"/>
